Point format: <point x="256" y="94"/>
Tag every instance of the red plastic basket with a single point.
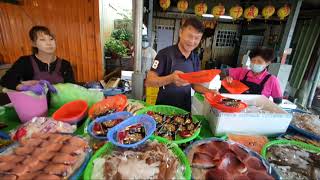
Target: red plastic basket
<point x="214" y="101"/>
<point x="235" y="87"/>
<point x="200" y="76"/>
<point x="71" y="112"/>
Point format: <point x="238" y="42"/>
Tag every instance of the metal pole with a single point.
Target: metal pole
<point x="314" y="81"/>
<point x="290" y="26"/>
<point x="150" y="21"/>
<point x="138" y="16"/>
<point x="137" y="76"/>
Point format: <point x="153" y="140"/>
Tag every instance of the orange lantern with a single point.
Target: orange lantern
<point x="251" y="13"/>
<point x="200" y="9"/>
<point x="218" y="10"/>
<point x="164" y="4"/>
<point x="182" y="5"/>
<point x="236" y="12"/>
<point x="268" y="11"/>
<point x="283" y="12"/>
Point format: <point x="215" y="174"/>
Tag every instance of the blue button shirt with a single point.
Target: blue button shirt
<point x="166" y="62"/>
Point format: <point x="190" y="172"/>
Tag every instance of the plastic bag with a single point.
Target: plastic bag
<point x="69" y="92"/>
<point x="41" y="125"/>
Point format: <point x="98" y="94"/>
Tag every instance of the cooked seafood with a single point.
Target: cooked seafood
<point x="172" y="126"/>
<point x="221" y="160"/>
<point x="230" y="102"/>
<point x="308" y="122"/>
<point x="293" y="162"/>
<point x="131" y="134"/>
<point x="151" y="161"/>
<point x="133" y="107"/>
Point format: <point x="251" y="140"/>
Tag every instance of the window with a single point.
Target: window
<point x="226" y="38"/>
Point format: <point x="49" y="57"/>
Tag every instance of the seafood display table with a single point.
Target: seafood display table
<point x="11" y="119"/>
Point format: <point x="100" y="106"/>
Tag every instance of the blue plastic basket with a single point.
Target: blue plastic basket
<point x="148" y="122"/>
<point x="270" y="170"/>
<point x="118" y="115"/>
<point x="113" y="91"/>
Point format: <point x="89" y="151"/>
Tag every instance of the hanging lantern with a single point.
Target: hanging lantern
<point x="200" y="9"/>
<point x="182" y="5"/>
<point x="236" y="12"/>
<point x="218" y="10"/>
<point x="251" y="13"/>
<point x="283" y="12"/>
<point x="164" y="4"/>
<point x="268" y="11"/>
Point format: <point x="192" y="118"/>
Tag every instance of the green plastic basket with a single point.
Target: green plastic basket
<point x="108" y="148"/>
<point x="171" y="110"/>
<point x="307" y="147"/>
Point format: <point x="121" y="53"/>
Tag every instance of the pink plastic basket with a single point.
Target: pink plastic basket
<point x="28" y="106"/>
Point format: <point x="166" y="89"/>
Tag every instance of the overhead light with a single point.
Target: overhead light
<point x="207" y="15"/>
<point x="211" y="16"/>
<point x="225" y="17"/>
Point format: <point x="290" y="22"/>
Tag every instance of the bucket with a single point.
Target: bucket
<point x="28" y="106"/>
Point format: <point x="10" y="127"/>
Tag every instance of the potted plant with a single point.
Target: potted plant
<point x="122" y="35"/>
<point x="115" y="48"/>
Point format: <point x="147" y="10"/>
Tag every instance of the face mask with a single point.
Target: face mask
<point x="257" y="68"/>
<point x="145" y="44"/>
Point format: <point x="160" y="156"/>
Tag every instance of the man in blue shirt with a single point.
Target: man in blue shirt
<point x="174" y="60"/>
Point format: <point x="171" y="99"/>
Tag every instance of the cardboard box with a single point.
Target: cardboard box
<point x="272" y="122"/>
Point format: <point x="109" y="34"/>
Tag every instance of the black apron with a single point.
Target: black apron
<point x="253" y="87"/>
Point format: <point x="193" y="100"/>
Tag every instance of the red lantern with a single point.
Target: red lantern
<point x="200" y="9"/>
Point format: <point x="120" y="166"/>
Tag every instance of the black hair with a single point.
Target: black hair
<point x="33" y="34"/>
<point x="266" y="53"/>
<point x="194" y="22"/>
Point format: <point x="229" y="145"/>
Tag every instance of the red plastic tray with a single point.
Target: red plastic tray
<point x="200" y="76"/>
<point x="215" y="99"/>
<point x="71" y="112"/>
<point x="235" y="87"/>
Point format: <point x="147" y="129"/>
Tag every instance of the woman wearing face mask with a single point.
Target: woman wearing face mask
<point x="43" y="64"/>
<point x="257" y="78"/>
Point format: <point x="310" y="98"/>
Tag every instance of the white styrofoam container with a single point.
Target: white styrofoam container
<point x="269" y="124"/>
<point x="199" y="107"/>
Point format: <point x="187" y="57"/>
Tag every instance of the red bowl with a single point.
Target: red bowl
<point x="71" y="112"/>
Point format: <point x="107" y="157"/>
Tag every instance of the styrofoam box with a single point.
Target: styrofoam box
<point x="269" y="124"/>
<point x="199" y="107"/>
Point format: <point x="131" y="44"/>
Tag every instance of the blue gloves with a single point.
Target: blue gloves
<point x="39" y="88"/>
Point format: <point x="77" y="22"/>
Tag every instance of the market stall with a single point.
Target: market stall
<point x="86" y="135"/>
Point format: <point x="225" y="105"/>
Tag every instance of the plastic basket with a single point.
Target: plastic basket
<point x="200" y="76"/>
<point x="28" y="106"/>
<point x="270" y="170"/>
<point x="118" y="115"/>
<point x="109" y="147"/>
<point x="171" y="110"/>
<point x="236" y="87"/>
<point x="148" y="123"/>
<point x="71" y="112"/>
<point x="305" y="146"/>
